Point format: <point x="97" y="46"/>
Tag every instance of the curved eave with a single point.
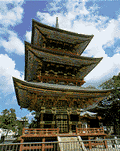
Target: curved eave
<point x="46" y="55"/>
<point x="97" y="109"/>
<point x="60" y="35"/>
<point x="88" y="68"/>
<point x="23" y="89"/>
<point x="50" y="56"/>
<point x="57" y="87"/>
<point x="61" y="53"/>
<point x="34" y="22"/>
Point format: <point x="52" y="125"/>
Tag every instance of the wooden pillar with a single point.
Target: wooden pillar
<point x="53" y="122"/>
<point x="41" y="120"/>
<point x="43" y="145"/>
<point x="105" y="143"/>
<point x="21" y="146"/>
<point x="70" y="102"/>
<point x="90" y="144"/>
<point x="69" y="123"/>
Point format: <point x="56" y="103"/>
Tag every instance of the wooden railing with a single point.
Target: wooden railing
<point x="112" y="144"/>
<point x="55" y="131"/>
<point x="90" y="131"/>
<point x="40" y="131"/>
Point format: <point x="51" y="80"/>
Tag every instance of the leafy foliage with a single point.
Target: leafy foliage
<point x="9" y="121"/>
<point x="35" y="123"/>
<point x="23" y="122"/>
<point x="112" y="104"/>
<point x="113" y="83"/>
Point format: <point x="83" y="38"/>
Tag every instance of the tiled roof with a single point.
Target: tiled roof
<point x="47" y="56"/>
<point x="96" y="108"/>
<point x="60" y="52"/>
<point x="87" y="113"/>
<point x="60" y="87"/>
<point x="25" y="89"/>
<point x="61" y="35"/>
<point x="50" y="57"/>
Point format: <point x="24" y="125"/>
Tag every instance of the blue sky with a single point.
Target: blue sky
<point x="98" y="17"/>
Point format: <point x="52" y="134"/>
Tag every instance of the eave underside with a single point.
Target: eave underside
<point x="34" y="96"/>
<point x="50" y="33"/>
<point x="33" y="55"/>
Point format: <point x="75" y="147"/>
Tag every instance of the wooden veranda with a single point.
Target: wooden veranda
<point x="54" y="133"/>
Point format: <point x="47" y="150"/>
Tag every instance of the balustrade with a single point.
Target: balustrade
<point x="55" y="131"/>
<point x="90" y="131"/>
<point x="95" y="145"/>
<point x="48" y="131"/>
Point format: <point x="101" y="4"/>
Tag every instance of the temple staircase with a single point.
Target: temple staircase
<point x="71" y="143"/>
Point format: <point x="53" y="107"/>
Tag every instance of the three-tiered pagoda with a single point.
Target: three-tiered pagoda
<point x="54" y="74"/>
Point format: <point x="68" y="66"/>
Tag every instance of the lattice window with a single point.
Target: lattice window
<point x="62" y="122"/>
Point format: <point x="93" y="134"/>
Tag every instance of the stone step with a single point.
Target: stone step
<point x="69" y="144"/>
<point x="67" y="139"/>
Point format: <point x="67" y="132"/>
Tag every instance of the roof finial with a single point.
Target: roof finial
<point x="57" y="25"/>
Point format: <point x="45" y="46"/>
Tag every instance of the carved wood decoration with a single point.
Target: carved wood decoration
<point x="39" y="68"/>
<point x="62" y="103"/>
<point x="52" y="73"/>
<point x="36" y="99"/>
<point x="60" y="69"/>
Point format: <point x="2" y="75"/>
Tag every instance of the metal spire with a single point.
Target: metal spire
<point x="57" y="25"/>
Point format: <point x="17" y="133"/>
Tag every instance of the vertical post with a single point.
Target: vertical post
<point x="53" y="122"/>
<point x="90" y="145"/>
<point x="23" y="131"/>
<point x="105" y="143"/>
<point x="21" y="146"/>
<point x="43" y="145"/>
<point x="76" y="130"/>
<point x="69" y="122"/>
<point x="57" y="130"/>
<point x="102" y="130"/>
<point x="41" y="120"/>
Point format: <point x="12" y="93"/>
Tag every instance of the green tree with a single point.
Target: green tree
<point x="113" y="83"/>
<point x="20" y="124"/>
<point x="24" y="121"/>
<point x="8" y="120"/>
<point x="35" y="123"/>
<point x="112" y="104"/>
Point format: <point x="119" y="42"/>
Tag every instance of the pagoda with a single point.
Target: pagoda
<point x="54" y="74"/>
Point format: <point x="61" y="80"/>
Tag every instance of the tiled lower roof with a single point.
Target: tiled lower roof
<point x="60" y="87"/>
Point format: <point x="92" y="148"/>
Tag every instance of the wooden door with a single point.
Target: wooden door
<point x="62" y="123"/>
